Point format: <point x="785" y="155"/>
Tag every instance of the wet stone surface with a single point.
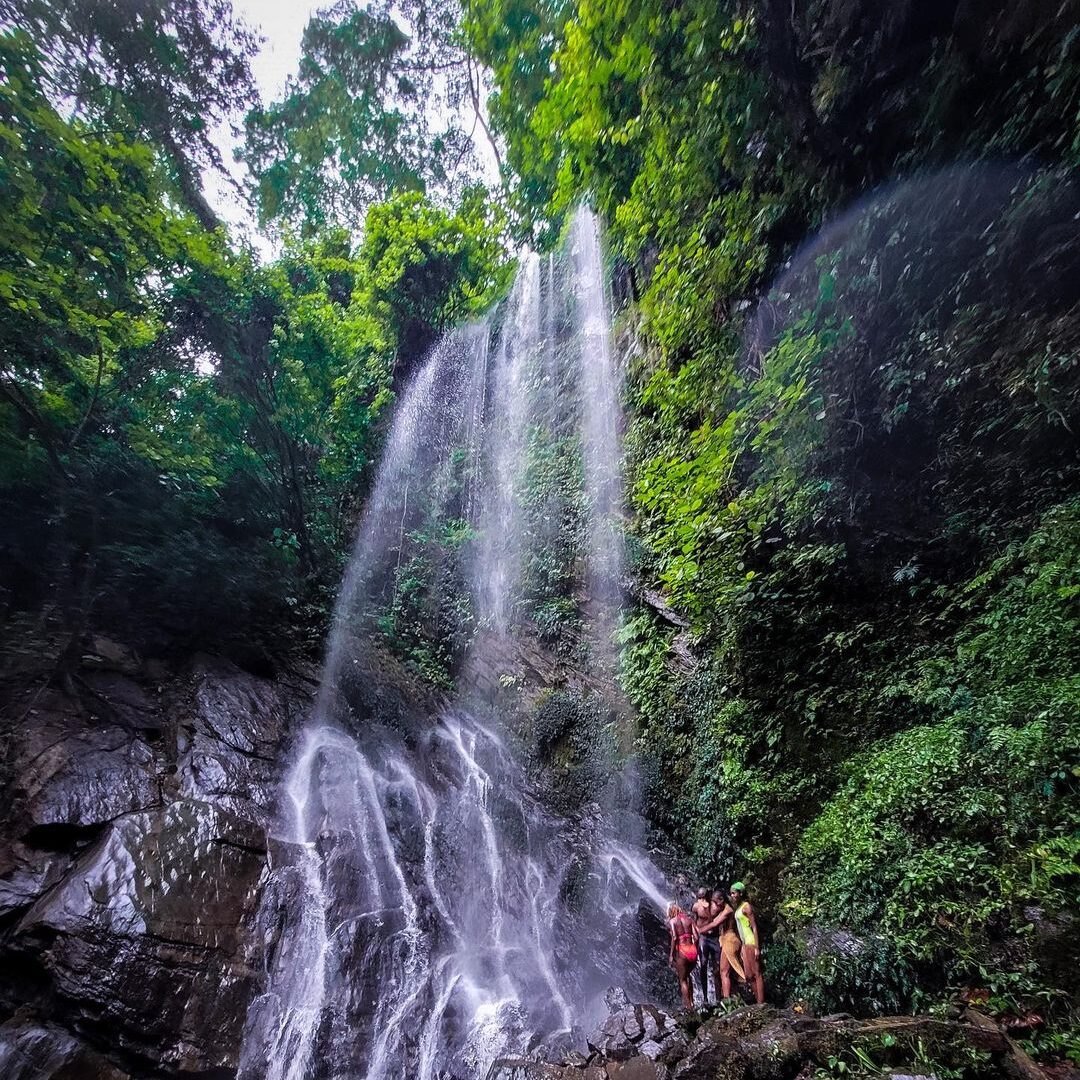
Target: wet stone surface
<point x="29" y="1050"/>
<point x="132" y="857"/>
<point x="634" y="1030"/>
<point x="761" y="1042"/>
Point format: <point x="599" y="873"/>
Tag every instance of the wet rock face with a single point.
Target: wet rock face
<point x="132" y="854"/>
<point x="29" y="1050"/>
<point x="635" y="1031"/>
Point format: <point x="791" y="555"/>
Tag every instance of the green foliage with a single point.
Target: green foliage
<point x="428" y="269"/>
<point x="948" y="1057"/>
<point x="81" y="234"/>
<point x="766" y="437"/>
<point x="185" y="435"/>
<point x="816" y="468"/>
<point x="941" y="837"/>
<point x="961" y="822"/>
<point x="166" y="72"/>
<point x="358" y="121"/>
<point x="553" y="525"/>
<point x="517" y="41"/>
<point x="1060" y="1045"/>
<point x="854" y="489"/>
<point x="574" y="740"/>
<point x="430" y="619"/>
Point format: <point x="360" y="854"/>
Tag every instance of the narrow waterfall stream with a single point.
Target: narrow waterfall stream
<point x="426" y="911"/>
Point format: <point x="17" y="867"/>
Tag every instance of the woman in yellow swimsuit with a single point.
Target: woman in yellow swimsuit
<point x="746" y="924"/>
<point x="684" y="952"/>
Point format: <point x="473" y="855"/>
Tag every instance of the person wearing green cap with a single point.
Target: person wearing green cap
<point x="746" y="924"/>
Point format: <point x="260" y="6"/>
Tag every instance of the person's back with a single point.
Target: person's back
<point x="685" y="935"/>
<point x="683" y="953"/>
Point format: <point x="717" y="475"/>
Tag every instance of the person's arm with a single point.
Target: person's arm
<point x="753" y="924"/>
<point x="671" y="951"/>
<point x="718" y="921"/>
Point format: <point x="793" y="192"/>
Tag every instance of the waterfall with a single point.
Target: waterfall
<point x="426" y="910"/>
<point x="498" y="565"/>
<point x="600" y="435"/>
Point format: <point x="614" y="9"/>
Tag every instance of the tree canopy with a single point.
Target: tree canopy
<point x="161" y="72"/>
<point x="375" y="108"/>
<point x="202" y="426"/>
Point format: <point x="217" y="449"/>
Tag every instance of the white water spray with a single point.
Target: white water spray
<point x="426" y="912"/>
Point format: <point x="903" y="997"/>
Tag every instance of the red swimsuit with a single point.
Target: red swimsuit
<point x="686" y="943"/>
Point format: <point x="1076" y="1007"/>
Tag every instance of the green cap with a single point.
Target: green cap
<point x="738" y="887"/>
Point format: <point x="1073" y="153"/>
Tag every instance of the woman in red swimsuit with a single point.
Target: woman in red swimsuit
<point x="683" y="954"/>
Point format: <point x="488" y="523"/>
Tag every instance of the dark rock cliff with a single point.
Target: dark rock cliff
<point x="133" y="845"/>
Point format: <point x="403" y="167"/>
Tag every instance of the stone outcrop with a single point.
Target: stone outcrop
<point x="641" y="1042"/>
<point x="132" y="853"/>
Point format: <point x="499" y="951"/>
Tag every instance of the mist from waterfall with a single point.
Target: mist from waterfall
<point x="498" y="565"/>
<point x="602" y="451"/>
<point x="426" y="911"/>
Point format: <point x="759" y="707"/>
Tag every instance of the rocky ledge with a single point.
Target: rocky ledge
<point x="642" y="1042"/>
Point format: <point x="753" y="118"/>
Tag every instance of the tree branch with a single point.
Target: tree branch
<point x="474" y="94"/>
<point x="93" y="400"/>
<point x="34" y="419"/>
<point x="188" y="182"/>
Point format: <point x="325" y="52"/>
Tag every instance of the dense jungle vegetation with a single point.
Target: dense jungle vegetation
<point x="854" y="460"/>
<point x="844" y="241"/>
<point x="187" y="432"/>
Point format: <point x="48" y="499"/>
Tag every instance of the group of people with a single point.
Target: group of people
<point x="720" y="934"/>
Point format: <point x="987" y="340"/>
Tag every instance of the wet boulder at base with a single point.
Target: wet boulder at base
<point x="131" y="864"/>
<point x="632" y="1030"/>
<point x="31" y="1051"/>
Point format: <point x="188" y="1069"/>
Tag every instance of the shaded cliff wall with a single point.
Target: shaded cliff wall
<point x="133" y="845"/>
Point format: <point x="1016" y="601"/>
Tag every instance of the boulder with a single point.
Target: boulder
<point x="30" y="1050"/>
<point x="131" y="868"/>
<point x="638" y="1068"/>
<point x="103" y="652"/>
<point x="761" y="1042"/>
<point x="228" y="740"/>
<point x="71" y="774"/>
<point x="627" y="1027"/>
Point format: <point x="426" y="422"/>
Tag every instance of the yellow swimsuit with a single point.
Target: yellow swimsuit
<point x="746" y="931"/>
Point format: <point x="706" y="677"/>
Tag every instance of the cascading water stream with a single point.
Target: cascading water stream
<point x="600" y="436"/>
<point x="426" y="912"/>
<point x="498" y="564"/>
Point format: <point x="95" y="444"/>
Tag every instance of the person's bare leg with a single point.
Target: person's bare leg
<point x="753" y="972"/>
<point x="725" y="976"/>
<point x="683" y="969"/>
<point x="688" y="994"/>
